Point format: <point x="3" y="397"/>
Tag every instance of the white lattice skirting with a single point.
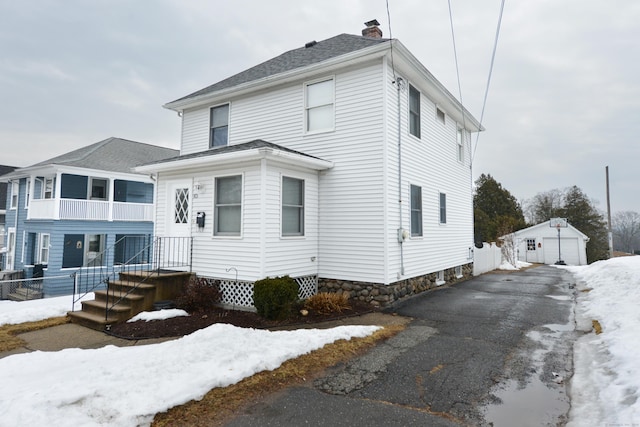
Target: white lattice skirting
<point x="240" y="294"/>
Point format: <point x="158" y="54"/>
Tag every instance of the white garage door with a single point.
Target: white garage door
<point x="568" y="250"/>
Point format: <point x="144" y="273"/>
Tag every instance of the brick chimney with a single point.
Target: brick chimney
<point x="373" y="30"/>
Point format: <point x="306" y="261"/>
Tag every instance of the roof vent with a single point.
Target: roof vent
<point x="372" y="30"/>
<point x="310" y="44"/>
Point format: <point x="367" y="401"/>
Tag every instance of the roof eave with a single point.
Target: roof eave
<point x="238" y="157"/>
<point x="358" y="56"/>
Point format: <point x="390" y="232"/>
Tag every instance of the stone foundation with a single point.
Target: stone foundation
<point x="383" y="295"/>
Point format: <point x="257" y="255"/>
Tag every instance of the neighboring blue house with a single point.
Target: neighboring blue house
<point x="64" y="212"/>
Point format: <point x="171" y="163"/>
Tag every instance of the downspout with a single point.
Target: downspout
<point x="399" y="83"/>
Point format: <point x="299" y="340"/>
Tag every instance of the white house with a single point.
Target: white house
<point x="343" y="163"/>
<point x="540" y="244"/>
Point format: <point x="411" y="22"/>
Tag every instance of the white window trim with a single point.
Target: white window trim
<point x="242" y="204"/>
<point x="27" y="194"/>
<point x="15" y="191"/>
<point x="107" y="189"/>
<point x="44" y="188"/>
<point x="458" y="271"/>
<point x="460" y="138"/>
<point x="442" y="120"/>
<point x="304" y="210"/>
<point x="440" y="193"/>
<point x="421" y="235"/>
<point x="210" y="143"/>
<point x="440" y="278"/>
<point x="41" y="248"/>
<point x="419" y="136"/>
<point x="306" y="131"/>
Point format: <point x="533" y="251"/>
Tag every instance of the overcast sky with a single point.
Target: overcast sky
<point x="564" y="100"/>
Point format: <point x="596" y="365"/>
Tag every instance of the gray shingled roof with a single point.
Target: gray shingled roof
<point x="296" y="58"/>
<point x="112" y="154"/>
<point x="256" y="143"/>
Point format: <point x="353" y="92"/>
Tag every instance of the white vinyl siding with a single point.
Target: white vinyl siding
<point x="434" y="167"/>
<point x="351" y="210"/>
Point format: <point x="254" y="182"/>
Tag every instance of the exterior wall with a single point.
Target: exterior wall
<point x="359" y="213"/>
<point x="430" y="162"/>
<point x="350" y="195"/>
<point x="260" y="251"/>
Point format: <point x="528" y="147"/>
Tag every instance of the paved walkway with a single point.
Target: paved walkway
<point x="71" y="335"/>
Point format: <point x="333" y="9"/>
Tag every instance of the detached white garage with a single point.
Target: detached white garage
<point x="539" y="244"/>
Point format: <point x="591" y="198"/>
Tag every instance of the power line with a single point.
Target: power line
<point x="455" y="56"/>
<point x="486" y="92"/>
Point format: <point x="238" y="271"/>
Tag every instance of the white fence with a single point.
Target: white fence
<point x="488" y="258"/>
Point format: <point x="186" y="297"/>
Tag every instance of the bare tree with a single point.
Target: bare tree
<point x="626" y="230"/>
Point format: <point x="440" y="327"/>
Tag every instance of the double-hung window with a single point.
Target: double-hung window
<point x="48" y="188"/>
<point x="414" y="111"/>
<point x="416" y="210"/>
<point x="460" y="142"/>
<point x="292" y="206"/>
<point x="228" y="206"/>
<point x="15" y="188"/>
<point x="219" y="126"/>
<point x="319" y="113"/>
<point x="27" y="194"/>
<point x="443" y="208"/>
<point x="43" y="257"/>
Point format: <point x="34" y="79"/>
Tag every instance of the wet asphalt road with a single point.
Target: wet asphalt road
<point x="468" y="345"/>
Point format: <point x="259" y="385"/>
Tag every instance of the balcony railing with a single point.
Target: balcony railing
<point x="89" y="210"/>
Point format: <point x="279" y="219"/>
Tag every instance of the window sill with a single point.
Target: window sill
<point x="440" y="282"/>
<point x="319" y="132"/>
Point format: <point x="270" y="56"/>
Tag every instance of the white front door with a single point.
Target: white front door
<point x="11" y="247"/>
<point x="176" y="245"/>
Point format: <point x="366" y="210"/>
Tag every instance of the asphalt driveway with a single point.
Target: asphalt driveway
<point x="494" y="349"/>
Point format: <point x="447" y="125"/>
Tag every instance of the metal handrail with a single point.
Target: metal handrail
<point x="98" y="275"/>
<point x="168" y="253"/>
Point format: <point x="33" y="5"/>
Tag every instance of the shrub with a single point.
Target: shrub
<point x="274" y="298"/>
<point x="200" y="294"/>
<point x="328" y="302"/>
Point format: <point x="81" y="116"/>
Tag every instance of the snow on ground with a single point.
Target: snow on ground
<point x="158" y="315"/>
<point x="506" y="265"/>
<point x="84" y="387"/>
<point x="13" y="312"/>
<point x="127" y="386"/>
<point x="605" y="388"/>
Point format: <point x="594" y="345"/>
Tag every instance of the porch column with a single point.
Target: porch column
<point x="57" y="190"/>
<point x="110" y="196"/>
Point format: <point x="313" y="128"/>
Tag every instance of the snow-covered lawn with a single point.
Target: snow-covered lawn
<point x="84" y="387"/>
<point x="126" y="386"/>
<point x="605" y="389"/>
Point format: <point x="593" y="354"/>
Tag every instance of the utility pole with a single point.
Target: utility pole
<point x="610" y="233"/>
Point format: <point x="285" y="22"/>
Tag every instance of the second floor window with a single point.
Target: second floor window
<point x="47" y="188"/>
<point x="460" y="141"/>
<point x="416" y="210"/>
<point x="99" y="189"/>
<point x="319" y="106"/>
<point x="228" y="206"/>
<point x="219" y="132"/>
<point x="15" y="188"/>
<point x="414" y="111"/>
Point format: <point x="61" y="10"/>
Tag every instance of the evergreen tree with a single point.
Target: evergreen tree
<point x="496" y="212"/>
